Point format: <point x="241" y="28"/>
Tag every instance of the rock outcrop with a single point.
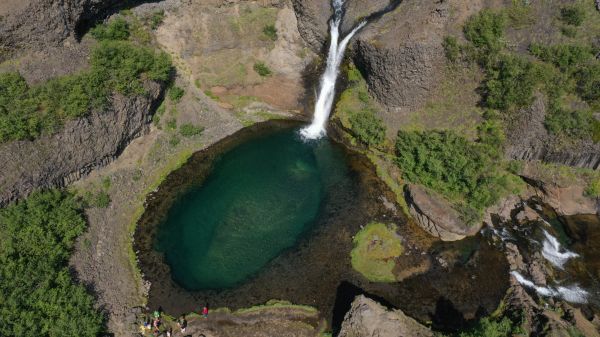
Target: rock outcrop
<point x="82" y="145"/>
<point x="435" y="215"/>
<point x="368" y="318"/>
<point x="529" y="140"/>
<point x="37" y="24"/>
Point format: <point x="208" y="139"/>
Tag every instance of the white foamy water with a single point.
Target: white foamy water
<point x="573" y="294"/>
<point x="551" y="250"/>
<point x="327" y="90"/>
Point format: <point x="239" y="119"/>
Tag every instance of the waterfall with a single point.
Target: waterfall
<point x="552" y="252"/>
<point x="327" y="85"/>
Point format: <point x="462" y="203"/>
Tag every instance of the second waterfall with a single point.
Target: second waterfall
<point x="327" y="89"/>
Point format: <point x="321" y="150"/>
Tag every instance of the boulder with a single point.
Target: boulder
<point x="435" y="215"/>
<point x="368" y="318"/>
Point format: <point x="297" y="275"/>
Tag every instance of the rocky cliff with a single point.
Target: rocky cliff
<point x="531" y="141"/>
<point x="82" y="145"/>
<point x="367" y="318"/>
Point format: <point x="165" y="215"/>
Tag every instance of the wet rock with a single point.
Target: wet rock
<point x="79" y="147"/>
<point x="527" y="214"/>
<point x="435" y="215"/>
<point x="368" y="318"/>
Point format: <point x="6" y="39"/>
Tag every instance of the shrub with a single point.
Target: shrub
<point x="367" y="127"/>
<point x="190" y="130"/>
<point x="171" y="124"/>
<point x="509" y="83"/>
<point x="262" y="69"/>
<point x="491" y="328"/>
<point x="572" y="15"/>
<point x="270" y="31"/>
<point x="174" y="140"/>
<point x="486" y="31"/>
<point x="464" y="172"/>
<point x="156" y="19"/>
<point x="117" y="29"/>
<point x="574" y="124"/>
<point x="451" y="48"/>
<point x="176" y="93"/>
<point x="587" y="78"/>
<point x="39" y="297"/>
<point x="593" y="189"/>
<point x="564" y="56"/>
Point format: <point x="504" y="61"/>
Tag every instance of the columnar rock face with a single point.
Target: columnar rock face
<point x="531" y="141"/>
<point x="436" y="215"/>
<point x="40" y="23"/>
<point x="368" y="318"/>
<point x="82" y="145"/>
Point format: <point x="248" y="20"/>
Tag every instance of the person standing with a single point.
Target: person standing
<point x="205" y="311"/>
<point x="182" y="323"/>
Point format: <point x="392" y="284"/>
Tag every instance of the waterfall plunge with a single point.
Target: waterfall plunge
<point x="334" y="58"/>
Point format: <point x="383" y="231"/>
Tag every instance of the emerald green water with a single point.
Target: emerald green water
<point x="257" y="201"/>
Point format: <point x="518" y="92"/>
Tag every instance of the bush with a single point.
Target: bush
<point x="563" y="56"/>
<point x="262" y="69"/>
<point x="26" y="112"/>
<point x="486" y="31"/>
<point x="117" y="29"/>
<point x="593" y="189"/>
<point x="587" y="78"/>
<point x="451" y="48"/>
<point x="490" y="328"/>
<point x="572" y="15"/>
<point x="270" y="31"/>
<point x="464" y="172"/>
<point x="573" y="124"/>
<point x="367" y="127"/>
<point x="176" y="93"/>
<point x="190" y="130"/>
<point x="39" y="298"/>
<point x="156" y="19"/>
<point x="171" y="124"/>
<point x="509" y="83"/>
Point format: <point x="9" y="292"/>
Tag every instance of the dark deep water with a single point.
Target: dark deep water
<point x="301" y="204"/>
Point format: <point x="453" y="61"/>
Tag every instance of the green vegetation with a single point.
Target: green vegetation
<point x="451" y="48"/>
<point x="466" y="173"/>
<point x="356" y="111"/>
<point x="190" y="130"/>
<point x="262" y="69"/>
<point x="492" y="328"/>
<point x="117" y="29"/>
<point x="270" y="31"/>
<point x="367" y="127"/>
<point x="564" y="73"/>
<point x="593" y="189"/>
<point x="39" y="298"/>
<point x="176" y="93"/>
<point x="486" y="32"/>
<point x="115" y="66"/>
<point x="376" y="248"/>
<point x="157" y="19"/>
<point x="572" y="15"/>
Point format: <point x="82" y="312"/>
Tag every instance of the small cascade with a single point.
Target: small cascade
<point x="551" y="250"/>
<point x="334" y="58"/>
<point x="573" y="294"/>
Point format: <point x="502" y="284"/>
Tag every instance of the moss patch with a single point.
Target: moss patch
<point x="376" y="248"/>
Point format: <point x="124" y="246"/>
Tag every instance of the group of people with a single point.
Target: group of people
<point x="155" y="323"/>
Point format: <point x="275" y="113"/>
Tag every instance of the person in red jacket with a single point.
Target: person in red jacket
<point x="205" y="311"/>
